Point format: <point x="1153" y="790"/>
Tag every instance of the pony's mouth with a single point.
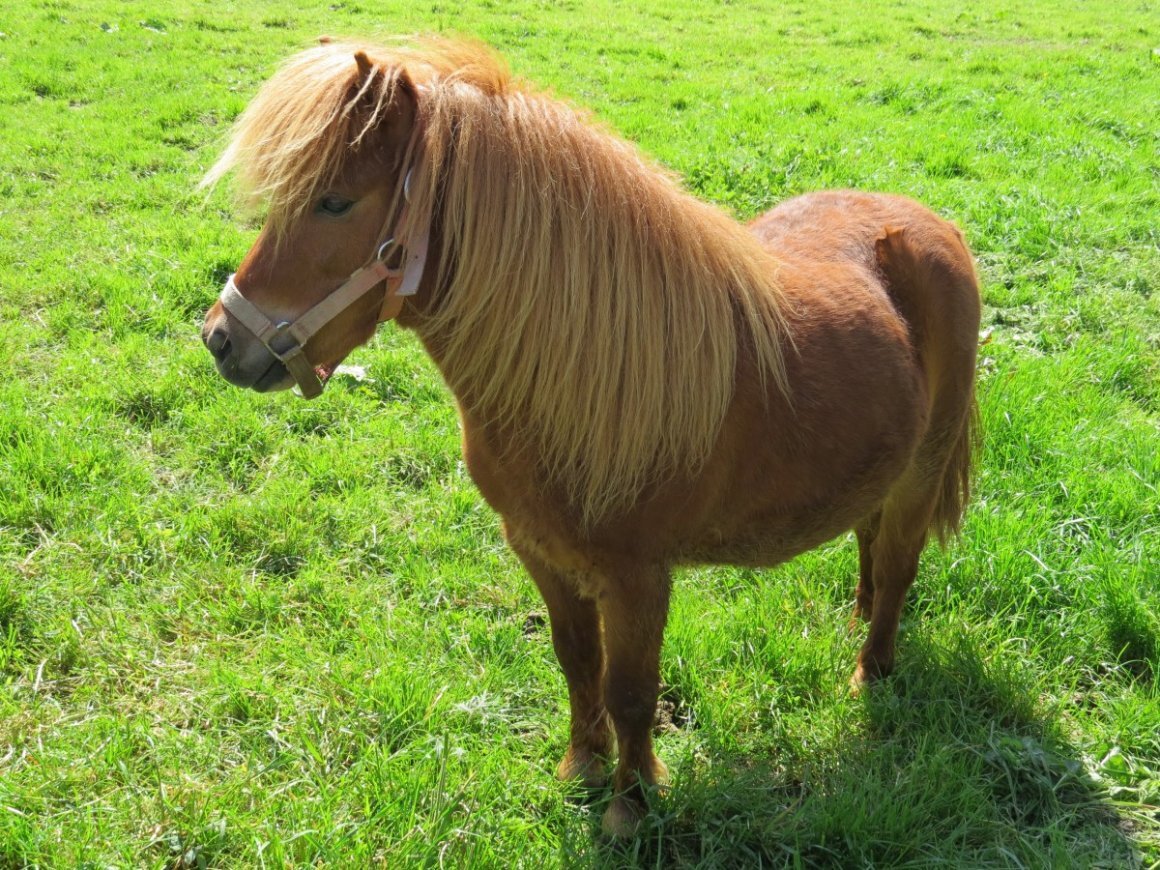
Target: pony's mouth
<point x="277" y="377"/>
<point x="326" y="371"/>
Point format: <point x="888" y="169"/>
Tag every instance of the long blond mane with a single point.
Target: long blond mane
<point x="588" y="305"/>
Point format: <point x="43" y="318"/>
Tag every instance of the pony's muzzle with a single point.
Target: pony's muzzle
<point x="241" y="359"/>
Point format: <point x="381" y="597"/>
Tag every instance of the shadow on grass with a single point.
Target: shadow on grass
<point x="945" y="764"/>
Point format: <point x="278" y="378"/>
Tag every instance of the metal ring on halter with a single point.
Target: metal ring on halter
<point x="388" y="249"/>
<point x="382" y="252"/>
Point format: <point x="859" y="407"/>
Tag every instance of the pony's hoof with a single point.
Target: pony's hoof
<point x="622" y="819"/>
<point x="660" y="774"/>
<point x="587" y="768"/>
<point x="866" y="675"/>
<point x="857" y="682"/>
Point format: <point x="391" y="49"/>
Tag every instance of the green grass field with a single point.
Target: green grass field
<point x="243" y="631"/>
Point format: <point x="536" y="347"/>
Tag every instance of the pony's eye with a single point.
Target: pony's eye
<point x="333" y="205"/>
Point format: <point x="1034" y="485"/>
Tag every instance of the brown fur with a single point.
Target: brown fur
<point x="643" y="383"/>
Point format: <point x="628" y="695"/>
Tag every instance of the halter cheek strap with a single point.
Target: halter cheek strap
<point x="285" y="340"/>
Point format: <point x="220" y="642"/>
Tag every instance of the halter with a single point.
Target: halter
<point x="291" y="337"/>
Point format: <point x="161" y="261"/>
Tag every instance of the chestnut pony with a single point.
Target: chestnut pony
<point x="643" y="382"/>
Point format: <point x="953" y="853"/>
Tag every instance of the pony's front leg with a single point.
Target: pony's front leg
<point x="576" y="639"/>
<point x="634" y="608"/>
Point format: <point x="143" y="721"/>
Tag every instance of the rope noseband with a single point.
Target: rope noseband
<point x="285" y="340"/>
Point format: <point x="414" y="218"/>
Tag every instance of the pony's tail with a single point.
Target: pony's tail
<point x="955" y="490"/>
<point x="932" y="271"/>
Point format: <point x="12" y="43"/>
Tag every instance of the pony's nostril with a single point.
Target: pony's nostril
<point x="218" y="343"/>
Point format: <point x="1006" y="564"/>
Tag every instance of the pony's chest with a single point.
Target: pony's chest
<point x="538" y="523"/>
<point x="505" y="479"/>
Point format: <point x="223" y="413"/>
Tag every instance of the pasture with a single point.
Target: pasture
<point x="239" y="630"/>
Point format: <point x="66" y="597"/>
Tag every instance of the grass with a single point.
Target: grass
<point x="239" y="630"/>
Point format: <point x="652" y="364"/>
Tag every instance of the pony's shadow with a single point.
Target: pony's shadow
<point x="946" y="746"/>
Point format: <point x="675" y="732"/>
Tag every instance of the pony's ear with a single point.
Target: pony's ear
<point x="389" y="100"/>
<point x="404" y="91"/>
<point x="365" y="68"/>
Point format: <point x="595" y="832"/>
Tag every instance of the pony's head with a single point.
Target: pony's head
<point x="326" y="146"/>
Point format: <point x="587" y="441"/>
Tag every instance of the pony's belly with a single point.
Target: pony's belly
<point x="759" y="545"/>
<point x="769" y="537"/>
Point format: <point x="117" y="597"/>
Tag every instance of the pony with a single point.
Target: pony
<point x="642" y="381"/>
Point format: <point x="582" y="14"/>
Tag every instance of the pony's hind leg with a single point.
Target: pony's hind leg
<point x="899" y="538"/>
<point x="917" y="500"/>
<point x="576" y="639"/>
<point x="634" y="610"/>
<point x="866" y="532"/>
<point x="895" y="567"/>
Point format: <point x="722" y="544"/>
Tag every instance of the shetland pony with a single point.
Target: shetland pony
<point x="642" y="382"/>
